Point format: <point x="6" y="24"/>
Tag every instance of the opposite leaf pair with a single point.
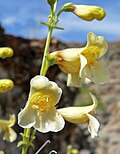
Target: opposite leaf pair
<point x="40" y="111"/>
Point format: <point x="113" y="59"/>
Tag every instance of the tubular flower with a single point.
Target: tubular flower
<point x="96" y="47"/>
<point x="72" y="62"/>
<point x="5" y="126"/>
<point x="6" y="52"/>
<point x="40" y="111"/>
<point x="5" y="85"/>
<point x="80" y="115"/>
<point x="81" y="63"/>
<point x="87" y="12"/>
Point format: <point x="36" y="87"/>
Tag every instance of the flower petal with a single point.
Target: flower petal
<point x="95" y="44"/>
<point x="10" y="135"/>
<point x="78" y="114"/>
<point x="98" y="73"/>
<point x="93" y="126"/>
<point x="54" y="90"/>
<point x="73" y="114"/>
<point x="26" y="118"/>
<point x="73" y="80"/>
<point x="44" y="86"/>
<point x="38" y="83"/>
<point x="12" y="120"/>
<point x="70" y="54"/>
<point x="83" y="62"/>
<point x="49" y="121"/>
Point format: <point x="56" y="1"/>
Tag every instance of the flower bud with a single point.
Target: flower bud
<point x="51" y="2"/>
<point x="6" y="52"/>
<point x="5" y="85"/>
<point x="75" y="151"/>
<point x="89" y="13"/>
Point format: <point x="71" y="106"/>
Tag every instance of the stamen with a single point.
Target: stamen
<point x="41" y="101"/>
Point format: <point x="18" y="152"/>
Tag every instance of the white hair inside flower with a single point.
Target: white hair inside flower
<point x="40" y="111"/>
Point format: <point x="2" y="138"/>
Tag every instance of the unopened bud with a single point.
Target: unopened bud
<point x="74" y="151"/>
<point x="6" y="52"/>
<point x="5" y="85"/>
<point x="89" y="13"/>
<point x="51" y="2"/>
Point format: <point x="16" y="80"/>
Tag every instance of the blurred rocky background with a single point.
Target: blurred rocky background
<point x="25" y="64"/>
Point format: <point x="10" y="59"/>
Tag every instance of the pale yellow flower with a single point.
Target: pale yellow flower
<point x="87" y="12"/>
<point x="81" y="63"/>
<point x="6" y="52"/>
<point x="40" y="111"/>
<point x="74" y="151"/>
<point x="70" y="150"/>
<point x="5" y="85"/>
<point x="2" y="152"/>
<point x="5" y="126"/>
<point x="80" y="115"/>
<point x="70" y="61"/>
<point x="96" y="47"/>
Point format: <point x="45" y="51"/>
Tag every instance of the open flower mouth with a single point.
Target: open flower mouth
<point x="42" y="102"/>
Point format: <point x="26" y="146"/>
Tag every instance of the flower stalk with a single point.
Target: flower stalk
<point x="81" y="66"/>
<point x="52" y="21"/>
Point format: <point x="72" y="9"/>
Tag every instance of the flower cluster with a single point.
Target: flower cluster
<point x="40" y="111"/>
<point x="6" y="84"/>
<point x="81" y="65"/>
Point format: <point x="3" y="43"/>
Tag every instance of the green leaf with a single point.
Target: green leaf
<point x="57" y="27"/>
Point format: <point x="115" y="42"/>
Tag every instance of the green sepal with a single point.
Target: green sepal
<point x="51" y="60"/>
<point x="68" y="7"/>
<point x="32" y="145"/>
<point x="21" y="143"/>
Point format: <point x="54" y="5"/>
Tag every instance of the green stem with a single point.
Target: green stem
<point x="26" y="140"/>
<point x="45" y="64"/>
